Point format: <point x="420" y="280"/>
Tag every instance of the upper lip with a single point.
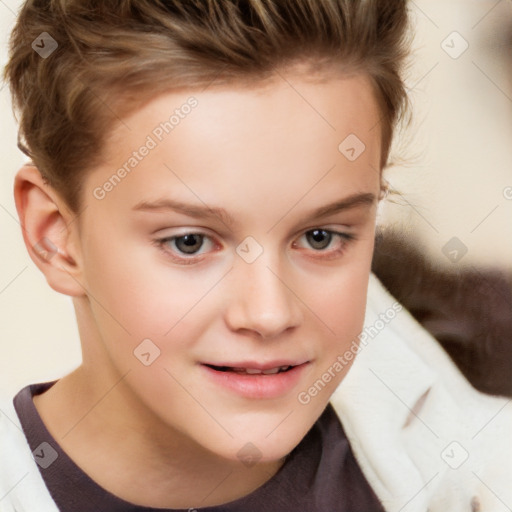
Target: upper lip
<point x="259" y="366"/>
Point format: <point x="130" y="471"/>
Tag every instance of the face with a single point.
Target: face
<point x="225" y="247"/>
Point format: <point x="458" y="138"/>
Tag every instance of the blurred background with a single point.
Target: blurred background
<point x="456" y="182"/>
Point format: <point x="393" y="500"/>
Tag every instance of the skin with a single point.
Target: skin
<point x="165" y="435"/>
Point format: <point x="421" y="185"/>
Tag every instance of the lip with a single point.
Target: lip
<point x="257" y="386"/>
<point x="258" y="365"/>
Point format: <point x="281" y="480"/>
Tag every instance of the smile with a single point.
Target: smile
<point x="253" y="381"/>
<point x="252" y="371"/>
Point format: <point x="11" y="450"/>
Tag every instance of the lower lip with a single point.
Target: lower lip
<point x="258" y="386"/>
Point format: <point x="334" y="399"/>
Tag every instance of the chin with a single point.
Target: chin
<point x="268" y="442"/>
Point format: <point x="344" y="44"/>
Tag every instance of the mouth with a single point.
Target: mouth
<point x="256" y="381"/>
<point x="252" y="371"/>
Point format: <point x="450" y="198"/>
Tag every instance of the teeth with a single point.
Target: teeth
<point x="251" y="371"/>
<point x="254" y="371"/>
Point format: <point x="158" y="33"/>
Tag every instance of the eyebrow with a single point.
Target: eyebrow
<point x="203" y="212"/>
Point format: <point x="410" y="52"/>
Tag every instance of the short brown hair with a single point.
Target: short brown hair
<point x="114" y="55"/>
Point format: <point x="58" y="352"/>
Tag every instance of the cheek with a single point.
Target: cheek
<point x="340" y="304"/>
<point x="121" y="284"/>
<point x="135" y="296"/>
<point x="341" y="298"/>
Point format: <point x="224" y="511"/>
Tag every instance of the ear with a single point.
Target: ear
<point x="48" y="231"/>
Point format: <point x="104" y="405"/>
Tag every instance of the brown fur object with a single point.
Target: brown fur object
<point x="469" y="311"/>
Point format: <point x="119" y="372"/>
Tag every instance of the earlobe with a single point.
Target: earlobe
<point x="44" y="219"/>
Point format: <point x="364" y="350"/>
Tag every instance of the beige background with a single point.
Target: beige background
<point x="455" y="185"/>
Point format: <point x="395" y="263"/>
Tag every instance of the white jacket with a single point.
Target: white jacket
<point x="424" y="438"/>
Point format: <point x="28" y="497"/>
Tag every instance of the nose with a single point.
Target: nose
<point x="262" y="301"/>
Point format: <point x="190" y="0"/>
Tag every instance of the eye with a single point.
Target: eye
<point x="319" y="239"/>
<point x="188" y="244"/>
<point x="324" y="241"/>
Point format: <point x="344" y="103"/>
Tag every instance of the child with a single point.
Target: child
<point x="203" y="183"/>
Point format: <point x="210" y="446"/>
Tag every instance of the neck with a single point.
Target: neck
<point x="123" y="448"/>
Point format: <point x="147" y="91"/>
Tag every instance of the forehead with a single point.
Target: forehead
<point x="283" y="135"/>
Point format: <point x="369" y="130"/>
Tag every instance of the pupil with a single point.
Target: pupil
<point x="189" y="243"/>
<point x="319" y="238"/>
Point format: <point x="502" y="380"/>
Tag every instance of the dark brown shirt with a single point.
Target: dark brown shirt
<point x="320" y="474"/>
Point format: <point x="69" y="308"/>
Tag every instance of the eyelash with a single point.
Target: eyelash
<point x="323" y="254"/>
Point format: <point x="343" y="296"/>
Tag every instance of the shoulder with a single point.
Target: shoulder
<point x="417" y="427"/>
<point x="21" y="485"/>
<point x="12" y="439"/>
